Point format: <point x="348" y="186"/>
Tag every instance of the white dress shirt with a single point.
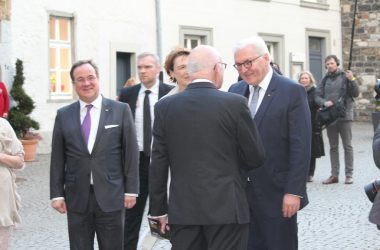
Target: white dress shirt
<point x="95" y="116"/>
<point x="139" y="112"/>
<point x="263" y="88"/>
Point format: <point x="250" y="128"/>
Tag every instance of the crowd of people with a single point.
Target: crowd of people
<point x="222" y="170"/>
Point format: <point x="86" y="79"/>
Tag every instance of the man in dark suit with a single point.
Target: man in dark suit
<point x="280" y="110"/>
<point x="94" y="163"/>
<point x="201" y="135"/>
<point x="142" y="98"/>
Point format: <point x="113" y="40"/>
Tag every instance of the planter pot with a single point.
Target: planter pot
<point x="30" y="149"/>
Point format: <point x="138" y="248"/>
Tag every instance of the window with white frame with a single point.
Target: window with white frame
<point x="315" y="4"/>
<point x="191" y="37"/>
<point x="275" y="44"/>
<point x="60" y="56"/>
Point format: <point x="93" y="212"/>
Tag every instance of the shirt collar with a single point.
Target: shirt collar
<point x="265" y="82"/>
<point x="201" y="80"/>
<point x="154" y="88"/>
<point x="97" y="103"/>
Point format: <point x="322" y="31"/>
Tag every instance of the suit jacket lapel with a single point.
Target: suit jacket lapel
<point x="161" y="90"/>
<point x="134" y="95"/>
<point x="76" y="121"/>
<point x="104" y="112"/>
<point x="269" y="95"/>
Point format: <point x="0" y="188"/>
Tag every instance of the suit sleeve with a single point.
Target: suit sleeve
<point x="251" y="148"/>
<point x="376" y="147"/>
<point x="159" y="167"/>
<point x="319" y="95"/>
<point x="57" y="161"/>
<point x="131" y="153"/>
<point x="299" y="125"/>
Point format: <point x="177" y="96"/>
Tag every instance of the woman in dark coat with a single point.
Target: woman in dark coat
<point x="306" y="79"/>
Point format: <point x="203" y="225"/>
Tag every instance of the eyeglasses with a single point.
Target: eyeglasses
<point x="247" y="64"/>
<point x="224" y="65"/>
<point x="84" y="79"/>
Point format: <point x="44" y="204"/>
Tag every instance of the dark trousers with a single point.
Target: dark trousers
<point x="133" y="216"/>
<point x="107" y="226"/>
<point x="276" y="233"/>
<point x="312" y="166"/>
<point x="209" y="237"/>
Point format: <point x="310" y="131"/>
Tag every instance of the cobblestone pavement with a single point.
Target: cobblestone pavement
<point x="336" y="218"/>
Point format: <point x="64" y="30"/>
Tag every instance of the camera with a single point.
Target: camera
<point x="371" y="189"/>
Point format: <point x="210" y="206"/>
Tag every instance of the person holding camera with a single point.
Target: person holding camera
<point x="338" y="84"/>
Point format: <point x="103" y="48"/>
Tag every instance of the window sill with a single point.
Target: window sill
<point x="320" y="6"/>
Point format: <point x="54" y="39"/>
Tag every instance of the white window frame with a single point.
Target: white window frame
<point x="315" y="4"/>
<point x="201" y="34"/>
<point x="276" y="47"/>
<point x="56" y="45"/>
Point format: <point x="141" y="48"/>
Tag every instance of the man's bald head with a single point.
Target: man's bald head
<point x="204" y="63"/>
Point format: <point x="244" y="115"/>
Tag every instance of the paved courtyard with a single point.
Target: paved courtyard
<point x="335" y="219"/>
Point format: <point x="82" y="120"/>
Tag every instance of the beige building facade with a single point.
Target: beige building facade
<point x="49" y="35"/>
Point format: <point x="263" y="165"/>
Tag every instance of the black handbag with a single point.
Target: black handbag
<point x="328" y="115"/>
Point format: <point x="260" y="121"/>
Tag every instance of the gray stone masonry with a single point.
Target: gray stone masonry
<point x="366" y="50"/>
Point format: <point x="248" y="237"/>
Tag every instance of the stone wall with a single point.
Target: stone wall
<point x="366" y="50"/>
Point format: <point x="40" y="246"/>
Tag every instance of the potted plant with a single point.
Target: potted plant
<point x="18" y="115"/>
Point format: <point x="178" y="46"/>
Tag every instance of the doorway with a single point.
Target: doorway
<point x="123" y="69"/>
<point x="316" y="52"/>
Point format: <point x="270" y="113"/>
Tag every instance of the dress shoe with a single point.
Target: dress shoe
<point x="349" y="180"/>
<point x="331" y="180"/>
<point x="310" y="178"/>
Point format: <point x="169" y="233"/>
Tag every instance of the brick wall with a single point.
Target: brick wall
<point x="366" y="50"/>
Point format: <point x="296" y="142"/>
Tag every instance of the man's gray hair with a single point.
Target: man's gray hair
<point x="146" y="54"/>
<point x="256" y="42"/>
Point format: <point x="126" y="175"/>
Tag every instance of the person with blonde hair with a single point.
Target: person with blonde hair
<point x="130" y="82"/>
<point x="307" y="80"/>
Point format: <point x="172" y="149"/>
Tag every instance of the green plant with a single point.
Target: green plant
<point x="18" y="115"/>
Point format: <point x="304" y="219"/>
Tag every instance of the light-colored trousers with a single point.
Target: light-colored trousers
<point x="5" y="233"/>
<point x="342" y="128"/>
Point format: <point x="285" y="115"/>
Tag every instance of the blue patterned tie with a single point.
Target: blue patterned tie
<point x="86" y="124"/>
<point x="254" y="100"/>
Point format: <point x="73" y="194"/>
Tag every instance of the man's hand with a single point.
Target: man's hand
<point x="59" y="205"/>
<point x="290" y="205"/>
<point x="328" y="104"/>
<point x="129" y="201"/>
<point x="164" y="224"/>
<point x="349" y="75"/>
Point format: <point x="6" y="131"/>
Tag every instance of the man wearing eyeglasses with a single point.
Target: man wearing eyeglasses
<point x="280" y="110"/>
<point x="94" y="163"/>
<point x="201" y="135"/>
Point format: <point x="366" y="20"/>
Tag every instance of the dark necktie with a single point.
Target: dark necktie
<point x="86" y="124"/>
<point x="254" y="100"/>
<point x="147" y="124"/>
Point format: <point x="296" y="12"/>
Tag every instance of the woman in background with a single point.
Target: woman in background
<point x="176" y="68"/>
<point x="11" y="158"/>
<point x="4" y="101"/>
<point x="306" y="79"/>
